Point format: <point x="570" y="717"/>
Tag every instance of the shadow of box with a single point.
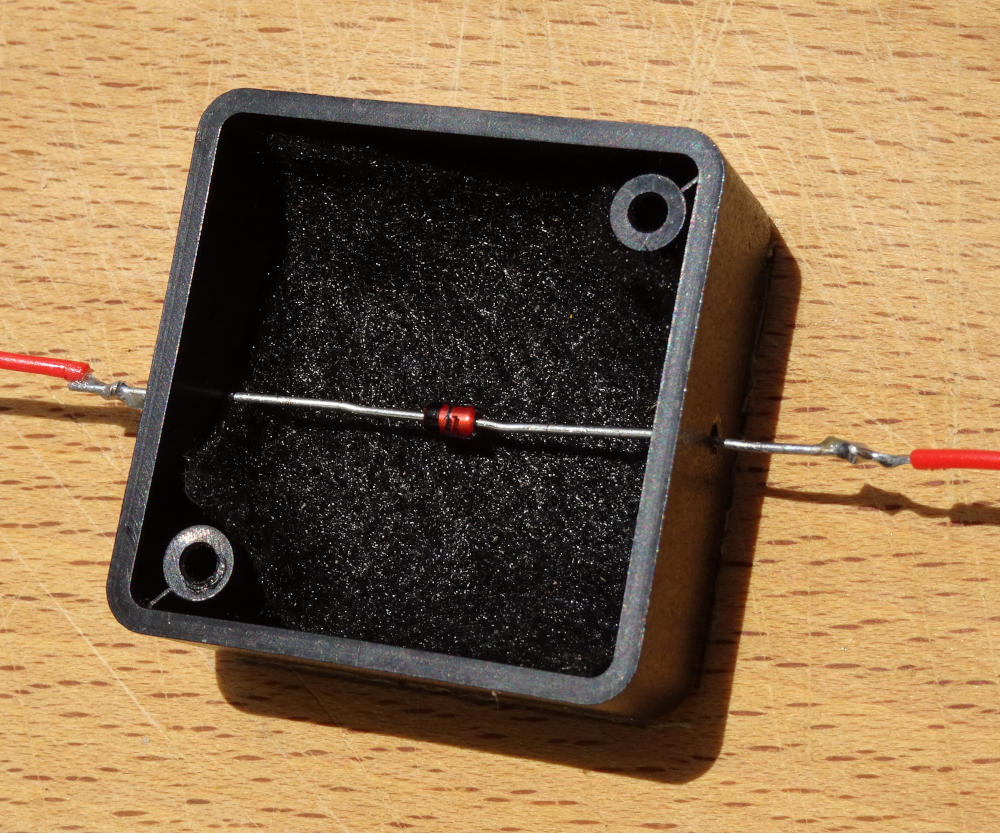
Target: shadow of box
<point x="394" y="254"/>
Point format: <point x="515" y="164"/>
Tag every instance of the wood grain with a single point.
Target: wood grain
<point x="851" y="683"/>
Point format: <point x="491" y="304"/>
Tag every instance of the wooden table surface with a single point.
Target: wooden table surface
<point x="851" y="680"/>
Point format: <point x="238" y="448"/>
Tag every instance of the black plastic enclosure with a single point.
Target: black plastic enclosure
<point x="232" y="257"/>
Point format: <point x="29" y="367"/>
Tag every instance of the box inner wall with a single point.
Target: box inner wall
<point x="405" y="268"/>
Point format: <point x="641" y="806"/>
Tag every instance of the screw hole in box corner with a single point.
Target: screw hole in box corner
<point x="198" y="563"/>
<point x="648" y="212"/>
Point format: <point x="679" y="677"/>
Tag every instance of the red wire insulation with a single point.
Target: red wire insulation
<point x="61" y="368"/>
<point x="954" y="458"/>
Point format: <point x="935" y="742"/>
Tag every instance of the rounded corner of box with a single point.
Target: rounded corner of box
<point x="124" y="608"/>
<point x="224" y="107"/>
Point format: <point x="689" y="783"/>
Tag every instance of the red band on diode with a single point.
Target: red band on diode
<point x="450" y="420"/>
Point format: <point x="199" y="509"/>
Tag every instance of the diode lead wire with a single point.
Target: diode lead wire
<point x="463" y="421"/>
<point x="440" y="425"/>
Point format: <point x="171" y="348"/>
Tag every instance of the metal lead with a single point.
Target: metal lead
<point x="133" y="397"/>
<point x="830" y="447"/>
<point x="418" y="416"/>
<point x="327" y="405"/>
<point x="564" y="430"/>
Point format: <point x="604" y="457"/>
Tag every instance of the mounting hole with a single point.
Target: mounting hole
<point x="648" y="212"/>
<point x="198" y="563"/>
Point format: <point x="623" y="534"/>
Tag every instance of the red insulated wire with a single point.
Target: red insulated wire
<point x="60" y="368"/>
<point x="954" y="458"/>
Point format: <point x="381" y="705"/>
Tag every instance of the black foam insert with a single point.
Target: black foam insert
<point x="413" y="270"/>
